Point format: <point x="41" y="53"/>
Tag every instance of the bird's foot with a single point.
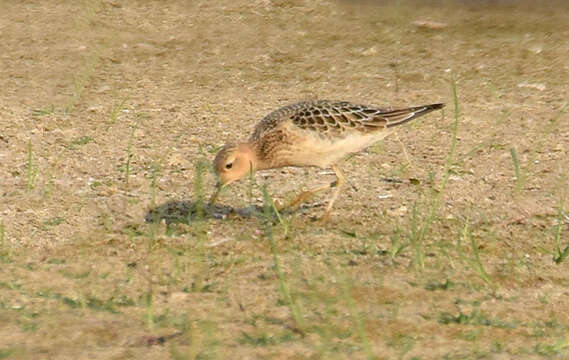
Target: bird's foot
<point x="324" y="219"/>
<point x="300" y="199"/>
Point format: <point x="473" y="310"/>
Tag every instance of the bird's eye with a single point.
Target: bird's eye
<point x="228" y="166"/>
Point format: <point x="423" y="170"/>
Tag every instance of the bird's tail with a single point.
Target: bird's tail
<point x="401" y="116"/>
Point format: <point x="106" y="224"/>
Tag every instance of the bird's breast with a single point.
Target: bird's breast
<point x="313" y="149"/>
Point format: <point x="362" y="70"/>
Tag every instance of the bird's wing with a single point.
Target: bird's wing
<point x="337" y="117"/>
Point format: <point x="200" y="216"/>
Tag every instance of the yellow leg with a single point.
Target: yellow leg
<point x="339" y="183"/>
<point x="307" y="195"/>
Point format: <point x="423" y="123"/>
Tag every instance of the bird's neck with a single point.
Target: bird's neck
<point x="250" y="151"/>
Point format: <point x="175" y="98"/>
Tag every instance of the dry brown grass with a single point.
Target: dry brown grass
<point x="107" y="108"/>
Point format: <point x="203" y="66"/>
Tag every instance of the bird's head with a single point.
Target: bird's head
<point x="233" y="162"/>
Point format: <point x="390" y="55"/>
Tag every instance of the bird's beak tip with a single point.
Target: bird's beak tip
<point x="218" y="188"/>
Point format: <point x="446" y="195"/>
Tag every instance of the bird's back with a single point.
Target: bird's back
<point x="337" y="118"/>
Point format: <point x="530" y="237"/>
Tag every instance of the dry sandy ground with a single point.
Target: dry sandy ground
<point x="109" y="111"/>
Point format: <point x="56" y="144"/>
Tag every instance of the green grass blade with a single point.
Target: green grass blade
<point x="560" y="255"/>
<point x="357" y="318"/>
<point x="283" y="285"/>
<point x="517" y="171"/>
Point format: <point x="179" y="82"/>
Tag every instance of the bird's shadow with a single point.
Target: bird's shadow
<point x="187" y="211"/>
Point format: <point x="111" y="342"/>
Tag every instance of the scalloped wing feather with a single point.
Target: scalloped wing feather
<point x="335" y="118"/>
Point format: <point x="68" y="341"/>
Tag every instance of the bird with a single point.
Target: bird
<point x="317" y="133"/>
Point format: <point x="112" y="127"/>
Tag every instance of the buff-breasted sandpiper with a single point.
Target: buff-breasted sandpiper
<point x="311" y="133"/>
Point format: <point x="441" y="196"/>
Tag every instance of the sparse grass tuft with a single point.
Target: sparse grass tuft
<point x="416" y="239"/>
<point x="474" y="318"/>
<point x="129" y="154"/>
<point x="2" y="235"/>
<point x="115" y="112"/>
<point x="80" y="141"/>
<point x="198" y="212"/>
<point x="397" y="244"/>
<point x="251" y="184"/>
<point x="148" y="297"/>
<point x="32" y="168"/>
<point x="201" y="165"/>
<point x="560" y="254"/>
<point x="284" y="287"/>
<point x="541" y="142"/>
<point x="357" y="318"/>
<point x="550" y="350"/>
<point x="6" y="353"/>
<point x="418" y="233"/>
<point x="517" y="171"/>
<point x="44" y="112"/>
<point x="435" y="285"/>
<point x="155" y="173"/>
<point x="4" y="252"/>
<point x="475" y="262"/>
<point x="264" y="339"/>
